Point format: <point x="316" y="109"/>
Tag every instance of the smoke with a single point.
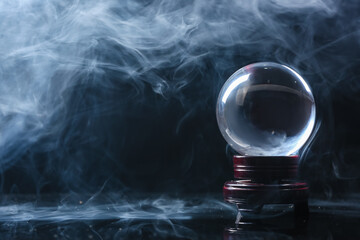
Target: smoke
<point x="93" y="91"/>
<point x="115" y="207"/>
<point x="120" y="217"/>
<point x="113" y="216"/>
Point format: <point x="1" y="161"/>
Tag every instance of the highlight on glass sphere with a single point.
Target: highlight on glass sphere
<point x="266" y="109"/>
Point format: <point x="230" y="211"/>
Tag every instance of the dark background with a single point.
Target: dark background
<point x="120" y="96"/>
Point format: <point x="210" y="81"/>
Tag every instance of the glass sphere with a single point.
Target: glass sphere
<point x="266" y="109"/>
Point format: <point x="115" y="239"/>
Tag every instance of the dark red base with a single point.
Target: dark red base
<point x="266" y="180"/>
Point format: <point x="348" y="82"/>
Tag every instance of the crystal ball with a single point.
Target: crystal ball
<point x="266" y="109"/>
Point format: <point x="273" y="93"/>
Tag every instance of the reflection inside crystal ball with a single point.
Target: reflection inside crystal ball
<point x="266" y="109"/>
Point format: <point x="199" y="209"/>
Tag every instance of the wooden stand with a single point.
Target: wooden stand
<point x="264" y="180"/>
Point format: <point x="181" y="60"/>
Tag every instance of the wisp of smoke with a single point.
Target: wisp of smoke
<point x="163" y="216"/>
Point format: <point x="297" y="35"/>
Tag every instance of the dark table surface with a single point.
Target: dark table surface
<point x="116" y="216"/>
